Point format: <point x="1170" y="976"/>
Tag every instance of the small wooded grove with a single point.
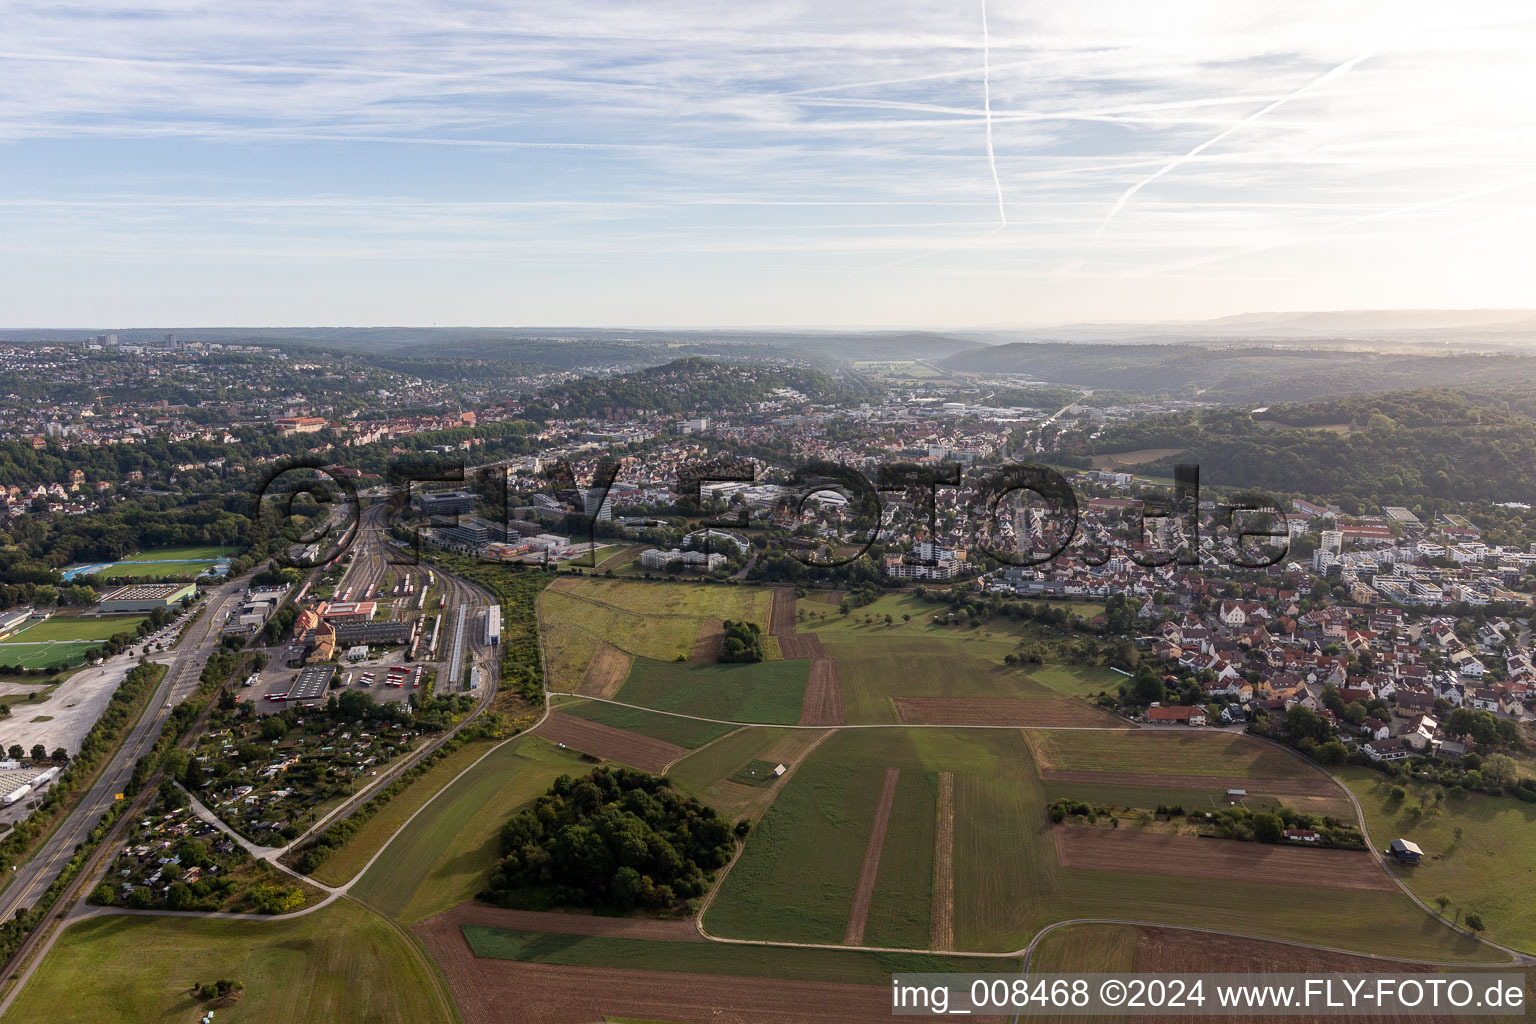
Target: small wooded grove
<point x="743" y="642"/>
<point x="615" y="839"/>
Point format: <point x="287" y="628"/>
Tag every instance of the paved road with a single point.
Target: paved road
<point x="31" y="880"/>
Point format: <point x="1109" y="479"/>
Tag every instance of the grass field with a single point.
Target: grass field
<point x="1166" y="752"/>
<point x="877" y="668"/>
<point x="767" y="691"/>
<point x="796" y="878"/>
<point x="846" y="966"/>
<point x="1490" y="871"/>
<point x="349" y="860"/>
<point x="814" y="614"/>
<point x="653" y="620"/>
<point x="685" y="732"/>
<point x="72" y="628"/>
<point x="900" y="913"/>
<point x="446" y="855"/>
<point x="1077" y="680"/>
<point x="152" y="570"/>
<point x="42" y="655"/>
<point x="707" y="774"/>
<point x="341" y="964"/>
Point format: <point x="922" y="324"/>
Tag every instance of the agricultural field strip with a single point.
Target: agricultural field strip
<point x="847" y="725"/>
<point x="942" y="926"/>
<point x="1028" y="951"/>
<point x="858" y="916"/>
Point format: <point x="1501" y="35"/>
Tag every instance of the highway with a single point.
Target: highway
<point x="31" y="879"/>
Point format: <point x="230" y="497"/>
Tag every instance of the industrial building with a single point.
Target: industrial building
<point x="445" y="503"/>
<point x="146" y="597"/>
<point x="377" y="634"/>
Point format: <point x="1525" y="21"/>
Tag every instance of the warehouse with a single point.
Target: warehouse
<point x="146" y="597"/>
<point x="311" y="684"/>
<point x="378" y="634"/>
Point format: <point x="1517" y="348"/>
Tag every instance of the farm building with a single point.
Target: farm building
<point x="1406" y="852"/>
<point x="1187" y="715"/>
<point x="146" y="597"/>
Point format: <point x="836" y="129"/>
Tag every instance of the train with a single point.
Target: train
<point x="493" y="626"/>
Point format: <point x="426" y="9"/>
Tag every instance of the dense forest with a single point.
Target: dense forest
<point x="693" y="386"/>
<point x="1397" y="449"/>
<point x="1257" y="374"/>
<point x="617" y="839"/>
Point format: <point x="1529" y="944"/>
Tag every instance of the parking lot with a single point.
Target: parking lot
<point x="278" y="677"/>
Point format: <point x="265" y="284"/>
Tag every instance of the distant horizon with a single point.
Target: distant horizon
<point x="1485" y="316"/>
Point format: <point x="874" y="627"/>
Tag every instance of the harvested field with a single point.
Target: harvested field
<point x="606" y="672"/>
<point x="1170" y="950"/>
<point x="823" y="696"/>
<point x="944" y="866"/>
<point x="553" y="994"/>
<point x="801" y="645"/>
<point x="612" y="744"/>
<point x="711" y="635"/>
<point x="781" y="620"/>
<point x="1125" y="460"/>
<point x="1320" y="785"/>
<point x="1174" y="949"/>
<point x="998" y="711"/>
<point x="832" y="597"/>
<point x="823" y="703"/>
<point x="865" y="891"/>
<point x="1188" y="856"/>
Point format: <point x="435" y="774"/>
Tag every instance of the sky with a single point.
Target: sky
<point x="767" y="164"/>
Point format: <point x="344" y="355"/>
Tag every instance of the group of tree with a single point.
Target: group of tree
<point x="616" y="839"/>
<point x="743" y="642"/>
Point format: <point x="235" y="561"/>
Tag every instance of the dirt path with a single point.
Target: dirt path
<point x="865" y="892"/>
<point x="943" y="928"/>
<point x="613" y="744"/>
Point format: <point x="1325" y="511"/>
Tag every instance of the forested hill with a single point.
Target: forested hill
<point x="1260" y="375"/>
<point x="695" y="386"/>
<point x="1394" y="449"/>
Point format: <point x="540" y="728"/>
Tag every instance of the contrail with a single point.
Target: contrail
<point x="986" y="100"/>
<point x="1208" y="143"/>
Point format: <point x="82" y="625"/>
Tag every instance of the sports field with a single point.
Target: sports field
<point x="78" y="628"/>
<point x="341" y="964"/>
<point x="62" y="640"/>
<point x="445" y="856"/>
<point x="1479" y="850"/>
